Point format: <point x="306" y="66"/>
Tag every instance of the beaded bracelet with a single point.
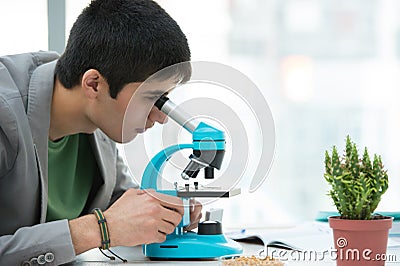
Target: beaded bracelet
<point x="105" y="238"/>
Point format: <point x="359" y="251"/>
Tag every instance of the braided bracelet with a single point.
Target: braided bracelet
<point x="105" y="238"/>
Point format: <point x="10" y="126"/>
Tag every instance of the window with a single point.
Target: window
<point x="23" y="26"/>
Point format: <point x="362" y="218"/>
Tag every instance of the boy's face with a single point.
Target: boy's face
<point x="132" y="112"/>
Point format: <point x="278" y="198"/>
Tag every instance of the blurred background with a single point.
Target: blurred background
<point x="327" y="69"/>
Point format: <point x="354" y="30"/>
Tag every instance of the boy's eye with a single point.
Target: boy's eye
<point x="152" y="98"/>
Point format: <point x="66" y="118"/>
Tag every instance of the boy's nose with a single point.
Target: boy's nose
<point x="158" y="116"/>
<point x="163" y="118"/>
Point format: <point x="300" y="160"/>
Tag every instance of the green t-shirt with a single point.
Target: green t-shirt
<point x="71" y="169"/>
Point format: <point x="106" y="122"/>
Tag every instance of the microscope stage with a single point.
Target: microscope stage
<point x="208" y="193"/>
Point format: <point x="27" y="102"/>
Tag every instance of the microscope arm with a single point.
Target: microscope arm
<point x="152" y="172"/>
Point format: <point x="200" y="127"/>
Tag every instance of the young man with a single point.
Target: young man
<point x="59" y="120"/>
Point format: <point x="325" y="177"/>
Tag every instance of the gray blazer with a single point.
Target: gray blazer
<point x="26" y="88"/>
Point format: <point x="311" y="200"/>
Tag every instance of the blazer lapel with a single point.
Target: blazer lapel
<point x="38" y="111"/>
<point x="106" y="161"/>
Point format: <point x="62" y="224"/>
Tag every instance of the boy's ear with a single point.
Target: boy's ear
<point x="91" y="83"/>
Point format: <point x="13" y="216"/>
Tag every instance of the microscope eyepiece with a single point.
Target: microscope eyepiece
<point x="165" y="105"/>
<point x="161" y="101"/>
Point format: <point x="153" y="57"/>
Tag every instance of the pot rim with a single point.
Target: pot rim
<point x="381" y="217"/>
<point x="383" y="223"/>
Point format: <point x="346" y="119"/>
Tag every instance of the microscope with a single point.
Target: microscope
<point x="208" y="145"/>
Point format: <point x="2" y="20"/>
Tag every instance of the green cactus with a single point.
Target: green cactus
<point x="356" y="184"/>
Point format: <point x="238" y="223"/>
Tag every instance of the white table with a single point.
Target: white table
<point x="135" y="256"/>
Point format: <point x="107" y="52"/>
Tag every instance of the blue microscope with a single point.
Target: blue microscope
<point x="208" y="151"/>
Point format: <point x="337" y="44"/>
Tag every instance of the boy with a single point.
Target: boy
<point x="59" y="119"/>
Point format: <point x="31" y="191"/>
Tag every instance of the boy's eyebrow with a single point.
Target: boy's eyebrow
<point x="156" y="92"/>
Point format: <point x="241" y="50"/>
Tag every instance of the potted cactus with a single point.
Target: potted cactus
<point x="357" y="184"/>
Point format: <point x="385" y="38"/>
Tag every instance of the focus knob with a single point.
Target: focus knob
<point x="209" y="228"/>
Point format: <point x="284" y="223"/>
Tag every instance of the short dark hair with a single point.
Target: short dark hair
<point x="125" y="40"/>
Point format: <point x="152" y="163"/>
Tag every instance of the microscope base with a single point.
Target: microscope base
<point x="190" y="245"/>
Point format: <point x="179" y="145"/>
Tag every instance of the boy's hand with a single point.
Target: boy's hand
<point x="142" y="217"/>
<point x="195" y="214"/>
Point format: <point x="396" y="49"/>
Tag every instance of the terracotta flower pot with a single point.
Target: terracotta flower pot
<point x="360" y="242"/>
